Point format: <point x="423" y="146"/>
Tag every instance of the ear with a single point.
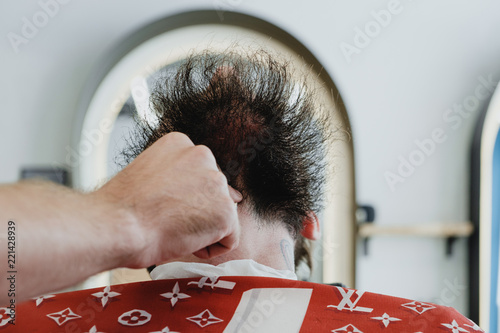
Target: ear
<point x="310" y="227"/>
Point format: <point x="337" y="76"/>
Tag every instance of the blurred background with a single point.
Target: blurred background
<point x="415" y="203"/>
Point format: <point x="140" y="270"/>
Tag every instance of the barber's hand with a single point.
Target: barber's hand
<point x="180" y="203"/>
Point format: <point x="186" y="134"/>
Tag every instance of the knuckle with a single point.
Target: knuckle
<point x="214" y="184"/>
<point x="235" y="243"/>
<point x="218" y="180"/>
<point x="176" y="137"/>
<point x="227" y="212"/>
<point x="203" y="152"/>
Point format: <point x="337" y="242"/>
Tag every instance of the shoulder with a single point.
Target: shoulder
<point x="243" y="303"/>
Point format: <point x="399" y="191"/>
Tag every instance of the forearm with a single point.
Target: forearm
<point x="62" y="237"/>
<point x="169" y="202"/>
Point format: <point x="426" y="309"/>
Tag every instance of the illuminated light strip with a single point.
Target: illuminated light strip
<point x="140" y="94"/>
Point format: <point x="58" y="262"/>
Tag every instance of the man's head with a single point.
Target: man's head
<point x="263" y="126"/>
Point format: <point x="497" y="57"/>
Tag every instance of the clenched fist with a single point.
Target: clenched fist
<point x="180" y="202"/>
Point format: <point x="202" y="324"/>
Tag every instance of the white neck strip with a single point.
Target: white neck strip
<point x="243" y="267"/>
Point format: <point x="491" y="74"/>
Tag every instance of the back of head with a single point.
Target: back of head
<point x="261" y="123"/>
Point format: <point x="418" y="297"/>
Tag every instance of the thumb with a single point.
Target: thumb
<point x="234" y="194"/>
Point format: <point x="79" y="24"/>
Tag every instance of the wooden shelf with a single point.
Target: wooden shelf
<point x="444" y="230"/>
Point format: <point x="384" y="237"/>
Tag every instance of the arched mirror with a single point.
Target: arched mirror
<point x="119" y="88"/>
<point x="485" y="213"/>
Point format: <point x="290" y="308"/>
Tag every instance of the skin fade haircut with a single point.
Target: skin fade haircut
<point x="261" y="122"/>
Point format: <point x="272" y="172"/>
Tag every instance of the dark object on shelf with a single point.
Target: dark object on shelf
<point x="56" y="175"/>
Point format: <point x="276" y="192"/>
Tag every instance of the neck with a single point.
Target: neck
<point x="268" y="244"/>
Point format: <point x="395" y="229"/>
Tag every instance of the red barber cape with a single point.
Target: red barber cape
<point x="230" y="304"/>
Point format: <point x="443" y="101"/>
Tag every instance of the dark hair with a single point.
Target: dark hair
<point x="262" y="123"/>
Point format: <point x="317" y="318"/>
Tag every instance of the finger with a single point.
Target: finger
<point x="213" y="251"/>
<point x="225" y="245"/>
<point x="176" y="140"/>
<point x="231" y="241"/>
<point x="235" y="195"/>
<point x="202" y="253"/>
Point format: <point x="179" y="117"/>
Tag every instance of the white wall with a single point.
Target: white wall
<point x="397" y="89"/>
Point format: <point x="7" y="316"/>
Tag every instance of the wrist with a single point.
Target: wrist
<point x="122" y="227"/>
